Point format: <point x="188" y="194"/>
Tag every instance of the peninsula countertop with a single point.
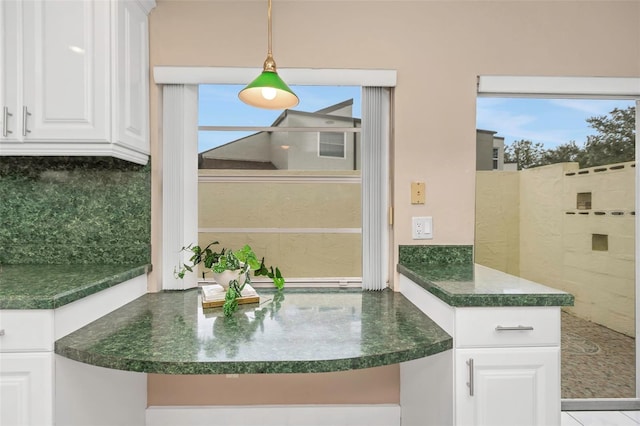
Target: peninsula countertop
<point x="467" y="285"/>
<point x="52" y="286"/>
<point x="295" y="331"/>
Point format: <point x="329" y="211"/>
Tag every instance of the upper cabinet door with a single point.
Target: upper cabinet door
<point x="131" y="106"/>
<point x="10" y="13"/>
<point x="65" y="78"/>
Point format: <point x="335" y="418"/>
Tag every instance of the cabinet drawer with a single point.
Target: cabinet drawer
<point x="26" y="330"/>
<point x="507" y="326"/>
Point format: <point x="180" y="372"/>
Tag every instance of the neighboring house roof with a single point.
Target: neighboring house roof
<point x="324" y="113"/>
<point x="321" y="113"/>
<point x="228" y="143"/>
<point x="492" y="132"/>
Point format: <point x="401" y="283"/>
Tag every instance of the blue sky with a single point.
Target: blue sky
<point x="220" y="106"/>
<point x="549" y="121"/>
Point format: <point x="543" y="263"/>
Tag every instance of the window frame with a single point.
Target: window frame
<point x="179" y="87"/>
<point x="586" y="88"/>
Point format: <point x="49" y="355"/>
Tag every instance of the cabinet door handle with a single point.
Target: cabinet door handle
<point x="25" y="114"/>
<point x="516" y="328"/>
<point x="5" y="125"/>
<point x="2" y="332"/>
<point x="470" y="382"/>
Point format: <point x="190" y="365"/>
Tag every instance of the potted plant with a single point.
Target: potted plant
<point x="231" y="269"/>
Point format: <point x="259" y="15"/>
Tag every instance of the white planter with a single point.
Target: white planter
<point x="223" y="278"/>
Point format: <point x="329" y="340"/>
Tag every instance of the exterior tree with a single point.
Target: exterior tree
<point x="525" y="153"/>
<point x="615" y="140"/>
<point x="565" y="153"/>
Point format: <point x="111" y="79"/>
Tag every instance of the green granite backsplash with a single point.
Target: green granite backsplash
<point x="74" y="210"/>
<point x="436" y="255"/>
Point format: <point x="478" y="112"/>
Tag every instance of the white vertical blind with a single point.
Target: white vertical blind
<point x="179" y="181"/>
<point x="375" y="186"/>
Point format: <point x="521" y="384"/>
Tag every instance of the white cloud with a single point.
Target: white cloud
<point x="589" y="106"/>
<point x="515" y="126"/>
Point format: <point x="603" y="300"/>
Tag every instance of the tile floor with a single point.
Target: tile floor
<point x="600" y="418"/>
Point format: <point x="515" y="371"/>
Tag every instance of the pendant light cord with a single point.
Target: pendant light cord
<point x="269" y="52"/>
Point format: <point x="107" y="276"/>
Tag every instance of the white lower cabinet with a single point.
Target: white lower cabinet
<point x="27" y="361"/>
<point x="505" y="366"/>
<point x="26" y="389"/>
<point x="506" y="387"/>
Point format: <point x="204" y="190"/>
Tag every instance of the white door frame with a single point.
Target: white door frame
<point x="587" y="88"/>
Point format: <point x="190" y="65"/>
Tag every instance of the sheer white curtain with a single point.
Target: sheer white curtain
<point x="375" y="187"/>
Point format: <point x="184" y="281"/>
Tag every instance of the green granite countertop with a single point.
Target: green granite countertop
<point x="476" y="285"/>
<point x="295" y="331"/>
<point x="52" y="286"/>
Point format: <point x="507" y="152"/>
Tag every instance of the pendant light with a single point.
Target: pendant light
<point x="268" y="90"/>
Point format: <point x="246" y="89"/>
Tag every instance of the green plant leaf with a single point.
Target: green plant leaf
<point x="246" y="255"/>
<point x="261" y="270"/>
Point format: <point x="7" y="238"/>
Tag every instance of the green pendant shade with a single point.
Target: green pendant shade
<point x="268" y="91"/>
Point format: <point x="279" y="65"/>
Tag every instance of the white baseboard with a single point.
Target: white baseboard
<point x="276" y="415"/>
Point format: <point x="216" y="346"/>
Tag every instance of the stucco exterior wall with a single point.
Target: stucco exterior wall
<point x="603" y="282"/>
<point x="554" y="245"/>
<point x="541" y="214"/>
<point x="497" y="243"/>
<point x="293" y="206"/>
<point x="435" y="98"/>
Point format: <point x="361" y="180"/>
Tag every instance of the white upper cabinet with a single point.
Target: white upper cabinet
<point x="75" y="78"/>
<point x="9" y="69"/>
<point x="130" y="112"/>
<point x="65" y="76"/>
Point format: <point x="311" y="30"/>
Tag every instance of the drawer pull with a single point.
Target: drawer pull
<point x="470" y="382"/>
<point x="2" y="332"/>
<point x="5" y="125"/>
<point x="25" y="115"/>
<point x="517" y="328"/>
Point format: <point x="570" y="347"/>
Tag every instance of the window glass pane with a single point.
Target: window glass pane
<point x="560" y="211"/>
<point x="277" y="181"/>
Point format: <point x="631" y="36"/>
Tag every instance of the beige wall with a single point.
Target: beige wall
<point x="497" y="240"/>
<point x="378" y="385"/>
<point x="434" y="125"/>
<point x="438" y="49"/>
<point x="528" y="224"/>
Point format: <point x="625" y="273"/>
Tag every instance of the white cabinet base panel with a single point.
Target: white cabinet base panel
<point x="276" y="415"/>
<point x="96" y="396"/>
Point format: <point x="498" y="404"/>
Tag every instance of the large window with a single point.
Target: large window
<point x="181" y="155"/>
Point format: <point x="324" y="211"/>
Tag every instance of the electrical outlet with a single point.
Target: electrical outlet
<point x="422" y="227"/>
